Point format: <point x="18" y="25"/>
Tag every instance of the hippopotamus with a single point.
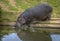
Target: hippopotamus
<point x="41" y="12"/>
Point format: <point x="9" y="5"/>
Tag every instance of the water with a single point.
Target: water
<point x="11" y="37"/>
<point x="55" y="37"/>
<point x="14" y="37"/>
<point x="9" y="34"/>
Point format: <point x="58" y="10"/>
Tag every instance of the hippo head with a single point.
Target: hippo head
<point x="20" y="22"/>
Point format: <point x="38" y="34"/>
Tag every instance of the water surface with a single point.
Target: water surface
<point x="9" y="34"/>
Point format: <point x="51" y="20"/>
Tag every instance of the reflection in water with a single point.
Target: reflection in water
<point x="55" y="37"/>
<point x="26" y="37"/>
<point x="11" y="37"/>
<point x="9" y="34"/>
<point x="14" y="37"/>
<point x="34" y="36"/>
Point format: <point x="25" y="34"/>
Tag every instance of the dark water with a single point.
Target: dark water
<point x="9" y="34"/>
<point x="14" y="37"/>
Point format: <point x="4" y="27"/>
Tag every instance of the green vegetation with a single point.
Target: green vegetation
<point x="21" y="5"/>
<point x="5" y="2"/>
<point x="56" y="6"/>
<point x="24" y="4"/>
<point x="9" y="16"/>
<point x="0" y="13"/>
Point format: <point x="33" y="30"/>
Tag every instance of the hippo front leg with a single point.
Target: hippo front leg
<point x="47" y="18"/>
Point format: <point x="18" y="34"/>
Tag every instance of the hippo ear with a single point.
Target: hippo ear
<point x="22" y="20"/>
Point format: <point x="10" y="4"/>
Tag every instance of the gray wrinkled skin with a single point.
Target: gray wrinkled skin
<point x="40" y="12"/>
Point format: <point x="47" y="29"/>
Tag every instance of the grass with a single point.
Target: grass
<point x="56" y="6"/>
<point x="5" y="2"/>
<point x="27" y="3"/>
<point x="9" y="16"/>
<point x="12" y="8"/>
<point x="22" y="5"/>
